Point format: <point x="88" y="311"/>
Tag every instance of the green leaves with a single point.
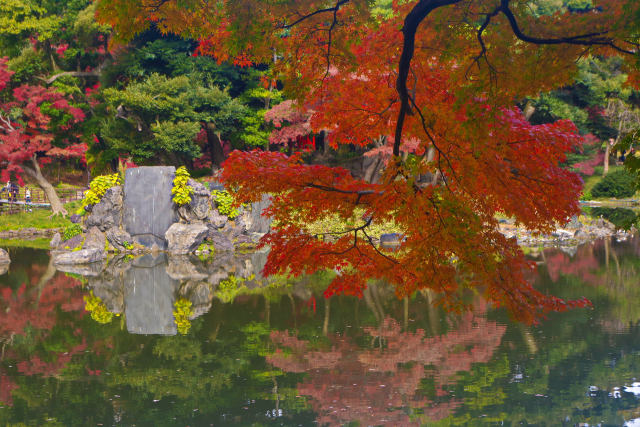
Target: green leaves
<point x="98" y="187"/>
<point x="224" y="203"/>
<point x="181" y="190"/>
<point x="71" y="231"/>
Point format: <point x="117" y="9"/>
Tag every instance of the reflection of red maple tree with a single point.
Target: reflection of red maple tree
<point x="583" y="265"/>
<point x="35" y="308"/>
<point x="6" y="387"/>
<point x="372" y="386"/>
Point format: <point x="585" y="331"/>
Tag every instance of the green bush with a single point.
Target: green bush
<point x="224" y="203"/>
<point x="181" y="190"/>
<point x="618" y="184"/>
<point x="71" y="231"/>
<point x="99" y="185"/>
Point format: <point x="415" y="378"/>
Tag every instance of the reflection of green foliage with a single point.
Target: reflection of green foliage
<point x="181" y="315"/>
<point x="97" y="308"/>
<point x="229" y="288"/>
<point x="178" y="348"/>
<point x="181" y="190"/>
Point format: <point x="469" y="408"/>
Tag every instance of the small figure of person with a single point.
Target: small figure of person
<point x="27" y="197"/>
<point x="7" y="188"/>
<point x="14" y="192"/>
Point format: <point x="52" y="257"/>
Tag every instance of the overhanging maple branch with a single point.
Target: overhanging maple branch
<point x="411" y="23"/>
<point x="588" y="39"/>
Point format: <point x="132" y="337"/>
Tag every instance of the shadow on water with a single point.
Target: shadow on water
<point x="163" y="340"/>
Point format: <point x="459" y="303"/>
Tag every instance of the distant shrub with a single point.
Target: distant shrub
<point x="618" y="184"/>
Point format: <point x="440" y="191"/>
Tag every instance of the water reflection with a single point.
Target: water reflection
<point x="181" y="341"/>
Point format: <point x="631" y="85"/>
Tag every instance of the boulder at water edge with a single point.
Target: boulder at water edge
<point x="83" y="256"/>
<point x="185" y="238"/>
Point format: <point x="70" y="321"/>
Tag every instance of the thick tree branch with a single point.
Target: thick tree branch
<point x="411" y="23"/>
<point x="588" y="39"/>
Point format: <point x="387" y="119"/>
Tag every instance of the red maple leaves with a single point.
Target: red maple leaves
<point x="28" y="122"/>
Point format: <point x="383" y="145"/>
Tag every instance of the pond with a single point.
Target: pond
<point x="157" y="341"/>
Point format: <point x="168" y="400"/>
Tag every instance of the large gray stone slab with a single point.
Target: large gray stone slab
<point x="148" y="208"/>
<point x="149" y="297"/>
<point x="256" y="222"/>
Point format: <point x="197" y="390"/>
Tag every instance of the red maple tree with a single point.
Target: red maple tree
<point x="439" y="79"/>
<point x="29" y="123"/>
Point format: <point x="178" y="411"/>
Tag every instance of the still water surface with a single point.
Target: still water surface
<point x="179" y="343"/>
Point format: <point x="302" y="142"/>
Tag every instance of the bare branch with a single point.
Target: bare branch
<point x="317" y="12"/>
<point x="588" y="39"/>
<point x="52" y="79"/>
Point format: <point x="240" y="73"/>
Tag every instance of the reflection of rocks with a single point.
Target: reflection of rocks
<point x="185" y="238"/>
<point x="149" y="297"/>
<point x="146" y="288"/>
<point x="199" y="293"/>
<point x="4" y="257"/>
<point x="93" y="269"/>
<point x="184" y="268"/>
<point x="4" y="261"/>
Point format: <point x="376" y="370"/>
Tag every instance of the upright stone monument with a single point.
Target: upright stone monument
<point x="148" y="208"/>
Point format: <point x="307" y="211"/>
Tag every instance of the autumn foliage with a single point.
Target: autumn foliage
<point x="348" y="384"/>
<point x="28" y="124"/>
<point x="438" y="81"/>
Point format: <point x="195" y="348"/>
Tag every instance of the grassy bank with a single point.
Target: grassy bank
<point x="38" y="218"/>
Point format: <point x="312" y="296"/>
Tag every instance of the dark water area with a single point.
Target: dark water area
<point x="165" y="343"/>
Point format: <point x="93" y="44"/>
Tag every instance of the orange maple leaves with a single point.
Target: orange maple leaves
<point x="466" y="152"/>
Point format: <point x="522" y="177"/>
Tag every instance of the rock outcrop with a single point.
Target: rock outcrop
<point x="108" y="212"/>
<point x="140" y="217"/>
<point x="185" y="238"/>
<point x="83" y="256"/>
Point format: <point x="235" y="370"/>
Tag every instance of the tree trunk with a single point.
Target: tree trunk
<point x="607" y="153"/>
<point x="528" y="111"/>
<point x="215" y="147"/>
<point x="35" y="173"/>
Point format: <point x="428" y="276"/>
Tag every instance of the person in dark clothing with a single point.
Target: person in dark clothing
<point x="14" y="192"/>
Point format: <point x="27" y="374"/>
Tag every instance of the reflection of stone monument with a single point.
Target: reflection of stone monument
<point x="149" y="297"/>
<point x="146" y="289"/>
<point x="148" y="208"/>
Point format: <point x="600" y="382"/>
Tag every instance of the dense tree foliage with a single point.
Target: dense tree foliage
<point x="438" y="78"/>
